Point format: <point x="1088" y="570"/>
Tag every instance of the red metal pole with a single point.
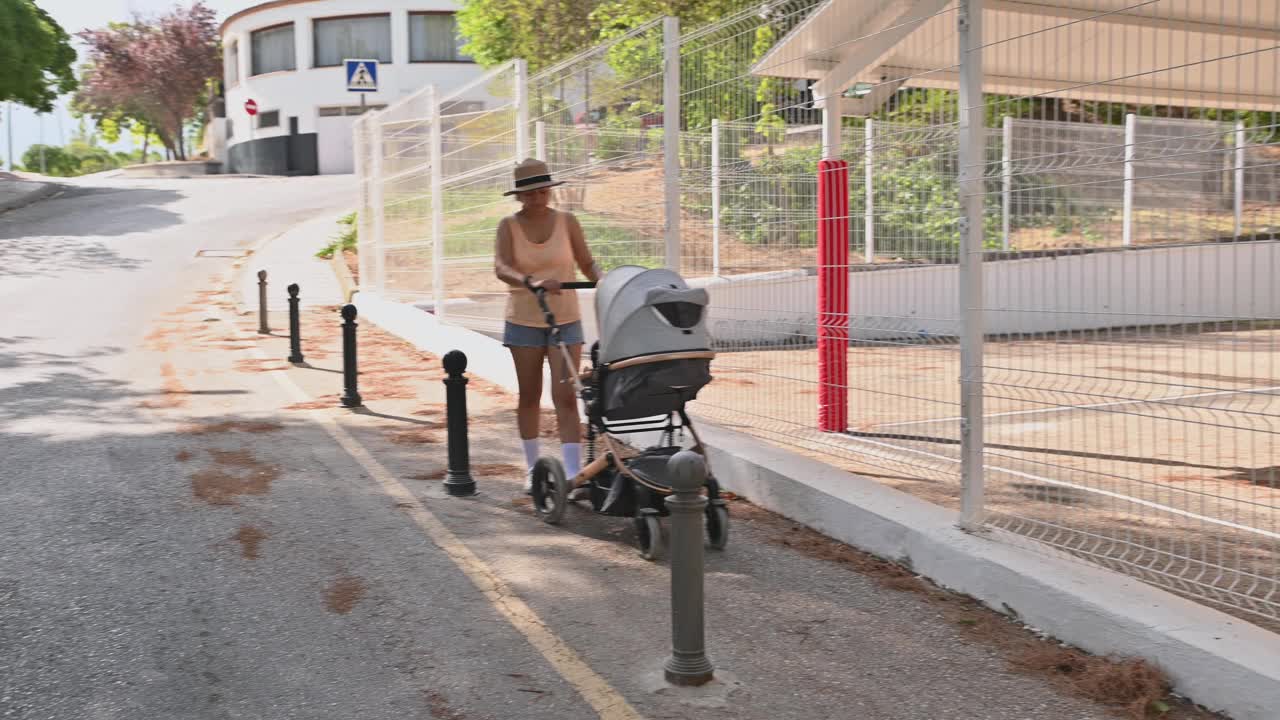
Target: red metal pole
<point x="833" y="296"/>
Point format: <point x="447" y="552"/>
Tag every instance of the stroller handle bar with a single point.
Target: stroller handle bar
<point x="541" y="294"/>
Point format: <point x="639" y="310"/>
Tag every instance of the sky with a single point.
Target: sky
<point x="74" y="16"/>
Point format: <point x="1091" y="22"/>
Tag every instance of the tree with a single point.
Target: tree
<point x="151" y="72"/>
<point x="540" y="31"/>
<point x="36" y="55"/>
<point x="500" y="30"/>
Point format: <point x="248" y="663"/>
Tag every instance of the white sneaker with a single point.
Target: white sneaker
<point x="528" y="482"/>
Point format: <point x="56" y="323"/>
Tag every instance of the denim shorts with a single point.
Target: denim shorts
<point x="524" y="336"/>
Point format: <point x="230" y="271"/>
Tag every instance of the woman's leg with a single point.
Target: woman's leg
<point x="567" y="420"/>
<point x="528" y="362"/>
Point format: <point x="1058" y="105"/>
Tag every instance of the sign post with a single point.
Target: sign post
<point x="251" y="107"/>
<point x="362" y="77"/>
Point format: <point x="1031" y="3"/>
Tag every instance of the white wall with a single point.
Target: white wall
<point x="1201" y="283"/>
<point x="299" y="93"/>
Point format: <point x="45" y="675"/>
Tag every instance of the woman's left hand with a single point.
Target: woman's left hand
<point x="551" y="285"/>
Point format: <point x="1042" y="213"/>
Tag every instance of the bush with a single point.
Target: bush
<point x="346" y="239"/>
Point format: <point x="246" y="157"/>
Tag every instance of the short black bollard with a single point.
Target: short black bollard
<point x="688" y="664"/>
<point x="350" y="393"/>
<point x="457" y="481"/>
<point x="262" y="303"/>
<point x="295" y="327"/>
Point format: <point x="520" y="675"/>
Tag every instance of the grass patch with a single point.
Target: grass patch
<point x="345" y="240"/>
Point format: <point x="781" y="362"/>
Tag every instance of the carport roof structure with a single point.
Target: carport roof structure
<point x="1146" y="52"/>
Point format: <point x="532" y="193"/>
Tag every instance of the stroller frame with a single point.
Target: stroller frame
<point x="631" y="491"/>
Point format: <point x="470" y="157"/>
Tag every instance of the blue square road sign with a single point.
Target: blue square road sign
<point x="362" y="75"/>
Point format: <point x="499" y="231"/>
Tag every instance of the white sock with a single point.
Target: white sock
<point x="530" y="452"/>
<point x="572" y="453"/>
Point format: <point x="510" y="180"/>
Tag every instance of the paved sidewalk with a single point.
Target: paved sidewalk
<point x="17" y="191"/>
<point x="291" y="258"/>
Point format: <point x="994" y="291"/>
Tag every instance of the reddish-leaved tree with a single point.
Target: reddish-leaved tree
<point x="153" y="71"/>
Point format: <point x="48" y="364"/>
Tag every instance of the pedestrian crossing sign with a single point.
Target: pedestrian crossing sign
<point x="362" y="75"/>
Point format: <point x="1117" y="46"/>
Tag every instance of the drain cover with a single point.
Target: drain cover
<point x="222" y="253"/>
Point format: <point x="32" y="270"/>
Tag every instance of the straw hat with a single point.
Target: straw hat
<point x="532" y="175"/>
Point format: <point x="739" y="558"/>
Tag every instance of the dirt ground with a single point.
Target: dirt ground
<point x="1155" y="455"/>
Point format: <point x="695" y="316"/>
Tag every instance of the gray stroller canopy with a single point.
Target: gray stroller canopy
<point x="649" y="311"/>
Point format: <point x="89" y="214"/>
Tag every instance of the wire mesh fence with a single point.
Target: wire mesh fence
<point x="1056" y="227"/>
<point x="598" y="121"/>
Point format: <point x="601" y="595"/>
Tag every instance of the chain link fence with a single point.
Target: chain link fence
<point x="1063" y="229"/>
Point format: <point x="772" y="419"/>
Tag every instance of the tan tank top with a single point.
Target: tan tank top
<point x="551" y="259"/>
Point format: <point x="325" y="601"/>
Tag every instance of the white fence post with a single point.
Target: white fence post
<point x="364" y="173"/>
<point x="1130" y="134"/>
<point x="540" y="140"/>
<point x="671" y="138"/>
<point x="522" y="109"/>
<point x="1239" y="178"/>
<point x="715" y="197"/>
<point x="972" y="160"/>
<point x="869" y="213"/>
<point x="437" y="203"/>
<point x="379" y="209"/>
<point x="1006" y="175"/>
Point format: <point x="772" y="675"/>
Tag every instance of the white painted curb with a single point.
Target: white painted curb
<point x="1216" y="660"/>
<point x="486" y="357"/>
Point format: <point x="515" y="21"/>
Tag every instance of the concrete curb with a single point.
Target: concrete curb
<point x="36" y="195"/>
<point x="345" y="280"/>
<point x="1216" y="660"/>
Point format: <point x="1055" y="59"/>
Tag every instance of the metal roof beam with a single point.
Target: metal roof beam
<point x="890" y="27"/>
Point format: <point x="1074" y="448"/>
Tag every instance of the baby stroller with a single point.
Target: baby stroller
<point x="653" y="356"/>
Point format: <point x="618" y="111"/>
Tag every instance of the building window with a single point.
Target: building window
<point x="272" y="50"/>
<point x="364" y="37"/>
<point x="433" y="37"/>
<point x="269" y="119"/>
<point x="231" y="63"/>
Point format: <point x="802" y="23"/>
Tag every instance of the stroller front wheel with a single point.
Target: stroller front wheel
<point x="650" y="538"/>
<point x="550" y="490"/>
<point x="717" y="525"/>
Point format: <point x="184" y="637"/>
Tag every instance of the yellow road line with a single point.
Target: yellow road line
<point x="608" y="703"/>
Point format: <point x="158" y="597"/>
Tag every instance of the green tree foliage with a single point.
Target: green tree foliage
<point x="545" y="31"/>
<point x="36" y="56"/>
<point x="540" y="31"/>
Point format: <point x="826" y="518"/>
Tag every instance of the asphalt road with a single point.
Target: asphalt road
<point x="159" y="558"/>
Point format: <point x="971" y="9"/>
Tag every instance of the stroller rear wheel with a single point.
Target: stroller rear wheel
<point x="650" y="536"/>
<point x="550" y="490"/>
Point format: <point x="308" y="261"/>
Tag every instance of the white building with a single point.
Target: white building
<point x="287" y="56"/>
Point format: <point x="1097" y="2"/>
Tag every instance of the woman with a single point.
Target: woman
<point x="538" y="247"/>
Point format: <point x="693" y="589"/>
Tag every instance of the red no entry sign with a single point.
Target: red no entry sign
<point x="251" y="107"/>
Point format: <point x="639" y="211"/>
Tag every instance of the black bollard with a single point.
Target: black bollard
<point x="457" y="481"/>
<point x="263" y="329"/>
<point x="350" y="394"/>
<point x="295" y="327"/>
